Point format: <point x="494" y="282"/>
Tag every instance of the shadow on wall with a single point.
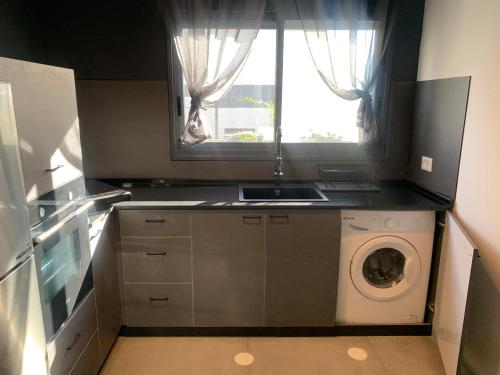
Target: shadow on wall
<point x="481" y="338"/>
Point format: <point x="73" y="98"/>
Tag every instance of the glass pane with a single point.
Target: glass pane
<point x="384" y="268"/>
<point x="59" y="264"/>
<point x="312" y="113"/>
<point x="246" y="112"/>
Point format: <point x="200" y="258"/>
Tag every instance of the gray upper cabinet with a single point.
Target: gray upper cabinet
<point x="104" y="267"/>
<point x="301" y="268"/>
<point x="228" y="269"/>
<point x="47" y="122"/>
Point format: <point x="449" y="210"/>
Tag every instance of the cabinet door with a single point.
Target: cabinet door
<point x="228" y="269"/>
<point x="104" y="267"/>
<point x="65" y="349"/>
<point x="21" y="323"/>
<point x="452" y="293"/>
<point x="47" y="123"/>
<point x="159" y="305"/>
<point x="301" y="268"/>
<point x="89" y="362"/>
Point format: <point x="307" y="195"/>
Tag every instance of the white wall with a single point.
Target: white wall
<point x="462" y="37"/>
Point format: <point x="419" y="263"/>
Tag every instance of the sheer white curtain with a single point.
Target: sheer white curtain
<point x="347" y="40"/>
<point x="212" y="38"/>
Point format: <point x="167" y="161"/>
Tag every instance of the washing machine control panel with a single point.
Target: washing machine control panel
<point x="387" y="221"/>
<point x="361" y="222"/>
<point x="391" y="222"/>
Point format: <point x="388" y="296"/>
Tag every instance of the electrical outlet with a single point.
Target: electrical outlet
<point x="426" y="164"/>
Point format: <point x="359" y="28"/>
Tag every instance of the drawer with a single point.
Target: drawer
<point x="156" y="260"/>
<point x="153" y="223"/>
<point x="89" y="362"/>
<point x="159" y="305"/>
<point x="69" y="343"/>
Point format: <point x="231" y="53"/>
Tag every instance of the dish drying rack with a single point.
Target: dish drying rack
<point x="333" y="179"/>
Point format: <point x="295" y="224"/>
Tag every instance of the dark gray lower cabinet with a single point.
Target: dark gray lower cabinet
<point x="107" y="293"/>
<point x="301" y="271"/>
<point x="156" y="260"/>
<point x="249" y="269"/>
<point x="228" y="269"/>
<point x="159" y="305"/>
<point x="90" y="359"/>
<point x="70" y="342"/>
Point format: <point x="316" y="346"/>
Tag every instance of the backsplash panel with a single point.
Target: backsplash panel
<point x="438" y="128"/>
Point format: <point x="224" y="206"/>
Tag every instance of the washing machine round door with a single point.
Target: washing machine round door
<point x="385" y="268"/>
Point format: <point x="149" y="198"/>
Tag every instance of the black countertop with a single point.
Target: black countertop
<point x="159" y="194"/>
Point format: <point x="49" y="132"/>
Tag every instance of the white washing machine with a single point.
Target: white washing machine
<point x="384" y="266"/>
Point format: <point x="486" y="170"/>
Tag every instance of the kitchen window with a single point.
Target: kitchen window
<point x="307" y="100"/>
<point x="279" y="87"/>
<point x="246" y="114"/>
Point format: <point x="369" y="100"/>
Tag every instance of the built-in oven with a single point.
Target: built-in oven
<point x="62" y="254"/>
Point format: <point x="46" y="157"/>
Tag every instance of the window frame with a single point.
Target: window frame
<point x="265" y="151"/>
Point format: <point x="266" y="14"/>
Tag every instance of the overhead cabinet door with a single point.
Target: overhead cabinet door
<point x="228" y="269"/>
<point x="301" y="268"/>
<point x="47" y="123"/>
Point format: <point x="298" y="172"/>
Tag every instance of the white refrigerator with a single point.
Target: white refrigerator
<point x="22" y="339"/>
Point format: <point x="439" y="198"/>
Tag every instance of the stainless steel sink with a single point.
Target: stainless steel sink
<point x="280" y="193"/>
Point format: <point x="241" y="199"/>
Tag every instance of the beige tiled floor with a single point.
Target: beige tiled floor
<point x="274" y="356"/>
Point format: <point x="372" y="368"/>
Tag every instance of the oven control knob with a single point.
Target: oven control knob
<point x="390" y="222"/>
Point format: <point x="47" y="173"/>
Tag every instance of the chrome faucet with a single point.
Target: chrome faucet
<point x="278" y="166"/>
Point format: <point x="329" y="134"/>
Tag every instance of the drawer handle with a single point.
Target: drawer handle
<point x="279" y="219"/>
<point x="154" y="220"/>
<point x="164" y="299"/>
<point x="50" y="170"/>
<point x="252" y="219"/>
<point x="75" y="340"/>
<point x="99" y="232"/>
<point x="157" y="254"/>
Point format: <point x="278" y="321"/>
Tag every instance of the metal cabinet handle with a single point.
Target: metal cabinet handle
<point x="252" y="219"/>
<point x="99" y="232"/>
<point x="431" y="307"/>
<point x="178" y="103"/>
<point x="75" y="340"/>
<point x="154" y="220"/>
<point x="59" y="166"/>
<point x="279" y="219"/>
<point x="164" y="299"/>
<point x="162" y="253"/>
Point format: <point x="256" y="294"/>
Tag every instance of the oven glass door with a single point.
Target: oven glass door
<point x="65" y="274"/>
